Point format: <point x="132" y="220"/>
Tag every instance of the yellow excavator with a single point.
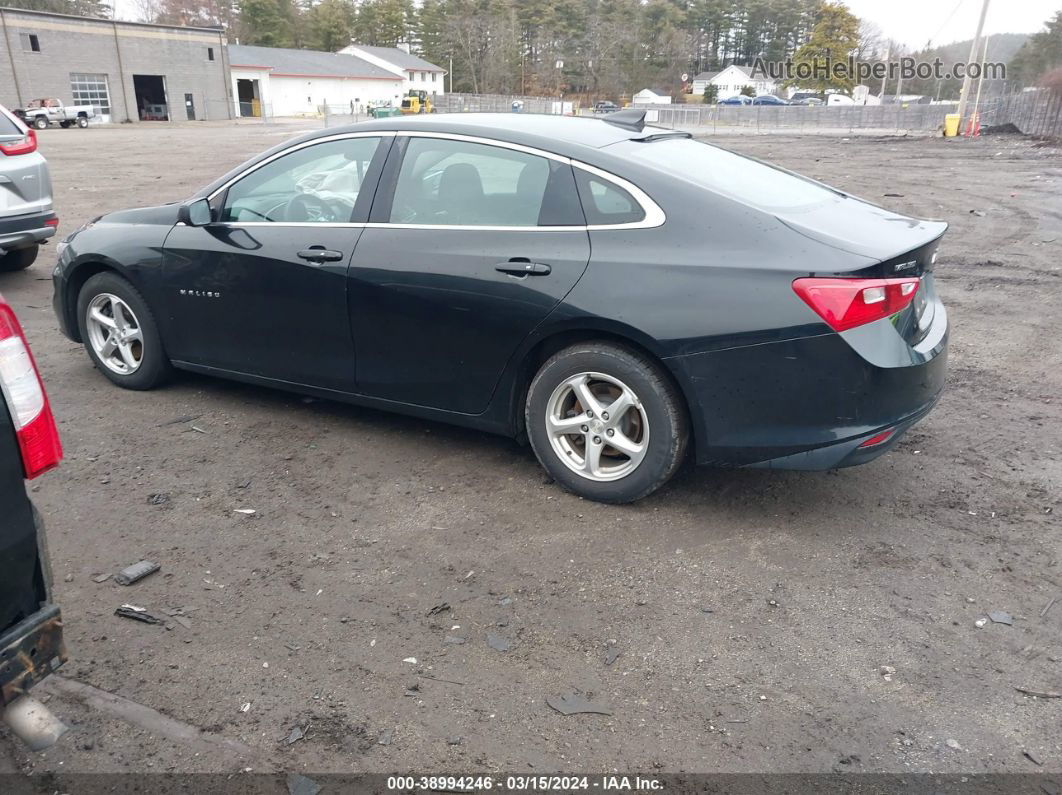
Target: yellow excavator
<point x="416" y="102"/>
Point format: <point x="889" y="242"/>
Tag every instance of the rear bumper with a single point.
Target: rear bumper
<point x="27" y="230"/>
<point x="30" y="651"/>
<point x="806" y="403"/>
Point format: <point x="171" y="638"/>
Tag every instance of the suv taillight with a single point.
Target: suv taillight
<point x="23" y="146"/>
<point x="847" y="303"/>
<point x="20" y="383"/>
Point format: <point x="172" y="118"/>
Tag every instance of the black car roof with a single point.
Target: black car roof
<point x="559" y="134"/>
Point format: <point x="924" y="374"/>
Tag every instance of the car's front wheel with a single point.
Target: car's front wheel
<point x="606" y="422"/>
<point x="120" y="333"/>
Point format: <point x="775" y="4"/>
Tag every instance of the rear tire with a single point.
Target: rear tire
<point x="120" y="333"/>
<point x="82" y="121"/>
<point x="19" y="259"/>
<point x="614" y="457"/>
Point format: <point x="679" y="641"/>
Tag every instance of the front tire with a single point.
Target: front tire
<point x="606" y="422"/>
<point x="19" y="259"/>
<point x="40" y="123"/>
<point x="120" y="333"/>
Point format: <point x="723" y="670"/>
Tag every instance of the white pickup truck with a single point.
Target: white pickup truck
<point x="40" y="113"/>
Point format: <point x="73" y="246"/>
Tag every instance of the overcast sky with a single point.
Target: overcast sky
<point x="914" y="22"/>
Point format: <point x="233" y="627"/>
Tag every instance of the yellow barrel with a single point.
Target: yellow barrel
<point x="951" y="125"/>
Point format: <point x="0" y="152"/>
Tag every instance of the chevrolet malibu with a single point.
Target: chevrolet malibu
<point x="622" y="296"/>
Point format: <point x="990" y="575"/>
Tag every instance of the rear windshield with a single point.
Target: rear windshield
<point x="748" y="181"/>
<point x="8" y="127"/>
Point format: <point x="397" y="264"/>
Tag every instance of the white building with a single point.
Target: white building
<point x="649" y="97"/>
<point x="273" y="81"/>
<point x="417" y="73"/>
<point x="731" y="80"/>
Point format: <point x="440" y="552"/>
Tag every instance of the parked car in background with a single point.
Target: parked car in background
<point x="40" y="113"/>
<point x="808" y="102"/>
<point x="620" y="294"/>
<point x="740" y="99"/>
<point x="26" y="215"/>
<point x="31" y="627"/>
<point x="768" y="99"/>
<point x="605" y="107"/>
<point x="807" y="98"/>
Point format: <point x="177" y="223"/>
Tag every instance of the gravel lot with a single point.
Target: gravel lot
<point x="754" y="612"/>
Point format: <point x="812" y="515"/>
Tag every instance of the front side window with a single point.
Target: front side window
<point x="461" y="183"/>
<point x="315" y="184"/>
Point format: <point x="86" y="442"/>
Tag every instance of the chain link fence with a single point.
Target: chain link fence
<point x="500" y="103"/>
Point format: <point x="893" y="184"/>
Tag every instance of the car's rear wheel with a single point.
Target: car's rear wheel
<point x="19" y="259"/>
<point x="606" y="422"/>
<point x="120" y="334"/>
<point x="82" y="121"/>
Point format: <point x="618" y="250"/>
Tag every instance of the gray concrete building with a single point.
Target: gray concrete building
<point x="130" y="71"/>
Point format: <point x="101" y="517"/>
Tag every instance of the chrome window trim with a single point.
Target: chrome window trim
<point x="654" y="214"/>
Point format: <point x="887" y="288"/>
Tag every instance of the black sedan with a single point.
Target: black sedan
<point x="620" y="295"/>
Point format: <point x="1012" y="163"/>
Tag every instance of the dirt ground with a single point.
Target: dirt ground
<point x="754" y="612"/>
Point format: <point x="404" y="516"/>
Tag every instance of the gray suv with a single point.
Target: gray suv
<point x="26" y="215"/>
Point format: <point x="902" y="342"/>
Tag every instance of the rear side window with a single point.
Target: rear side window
<point x="461" y="183"/>
<point x="604" y="202"/>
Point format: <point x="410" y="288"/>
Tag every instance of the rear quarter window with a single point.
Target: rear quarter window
<point x="605" y="203"/>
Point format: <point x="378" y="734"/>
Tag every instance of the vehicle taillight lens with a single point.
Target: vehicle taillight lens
<point x="23" y="146"/>
<point x="38" y="438"/>
<point x="847" y="303"/>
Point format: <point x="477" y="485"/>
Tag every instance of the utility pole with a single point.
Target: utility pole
<point x="451" y="75"/>
<point x="980" y="82"/>
<point x="885" y="77"/>
<point x="966" y="84"/>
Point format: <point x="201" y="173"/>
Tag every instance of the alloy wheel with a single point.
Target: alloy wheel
<point x="114" y="334"/>
<point x="597" y="426"/>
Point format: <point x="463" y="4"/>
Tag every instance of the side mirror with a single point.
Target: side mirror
<point x="195" y="213"/>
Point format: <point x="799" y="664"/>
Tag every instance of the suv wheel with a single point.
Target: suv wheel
<point x="606" y="422"/>
<point x="19" y="259"/>
<point x="120" y="333"/>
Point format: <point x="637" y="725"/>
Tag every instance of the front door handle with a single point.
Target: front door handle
<point x="320" y="254"/>
<point x="521" y="266"/>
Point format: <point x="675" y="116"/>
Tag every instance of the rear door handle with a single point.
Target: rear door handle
<point x="519" y="266"/>
<point x="320" y="254"/>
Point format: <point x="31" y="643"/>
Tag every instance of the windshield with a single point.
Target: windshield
<point x="741" y="178"/>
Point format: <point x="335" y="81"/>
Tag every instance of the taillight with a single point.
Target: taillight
<point x="23" y="146"/>
<point x="20" y="382"/>
<point x="847" y="303"/>
<point x="878" y="438"/>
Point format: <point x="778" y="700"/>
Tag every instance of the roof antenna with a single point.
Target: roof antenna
<point x="630" y="119"/>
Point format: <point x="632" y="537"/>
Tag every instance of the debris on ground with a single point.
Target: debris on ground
<point x="980" y="622"/>
<point x="159" y="499"/>
<point x="575" y="704"/>
<point x="101" y="578"/>
<point x="1001" y="617"/>
<point x="442" y="607"/>
<point x="612" y="653"/>
<point x="953" y="744"/>
<point x="136" y="572"/>
<point x="453" y="741"/>
<point x="886" y="672"/>
<point x="1048" y="606"/>
<point x="1032" y="757"/>
<point x="245" y="511"/>
<point x="505" y="602"/>
<point x="299" y="784"/>
<point x="978" y="213"/>
<point x="1039" y="693"/>
<point x="411" y="660"/>
<point x="179" y="420"/>
<point x="497" y="642"/>
<point x="295" y="735"/>
<point x="137" y="614"/>
<point x="453" y="640"/>
<point x="245" y="707"/>
<point x="385" y="737"/>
